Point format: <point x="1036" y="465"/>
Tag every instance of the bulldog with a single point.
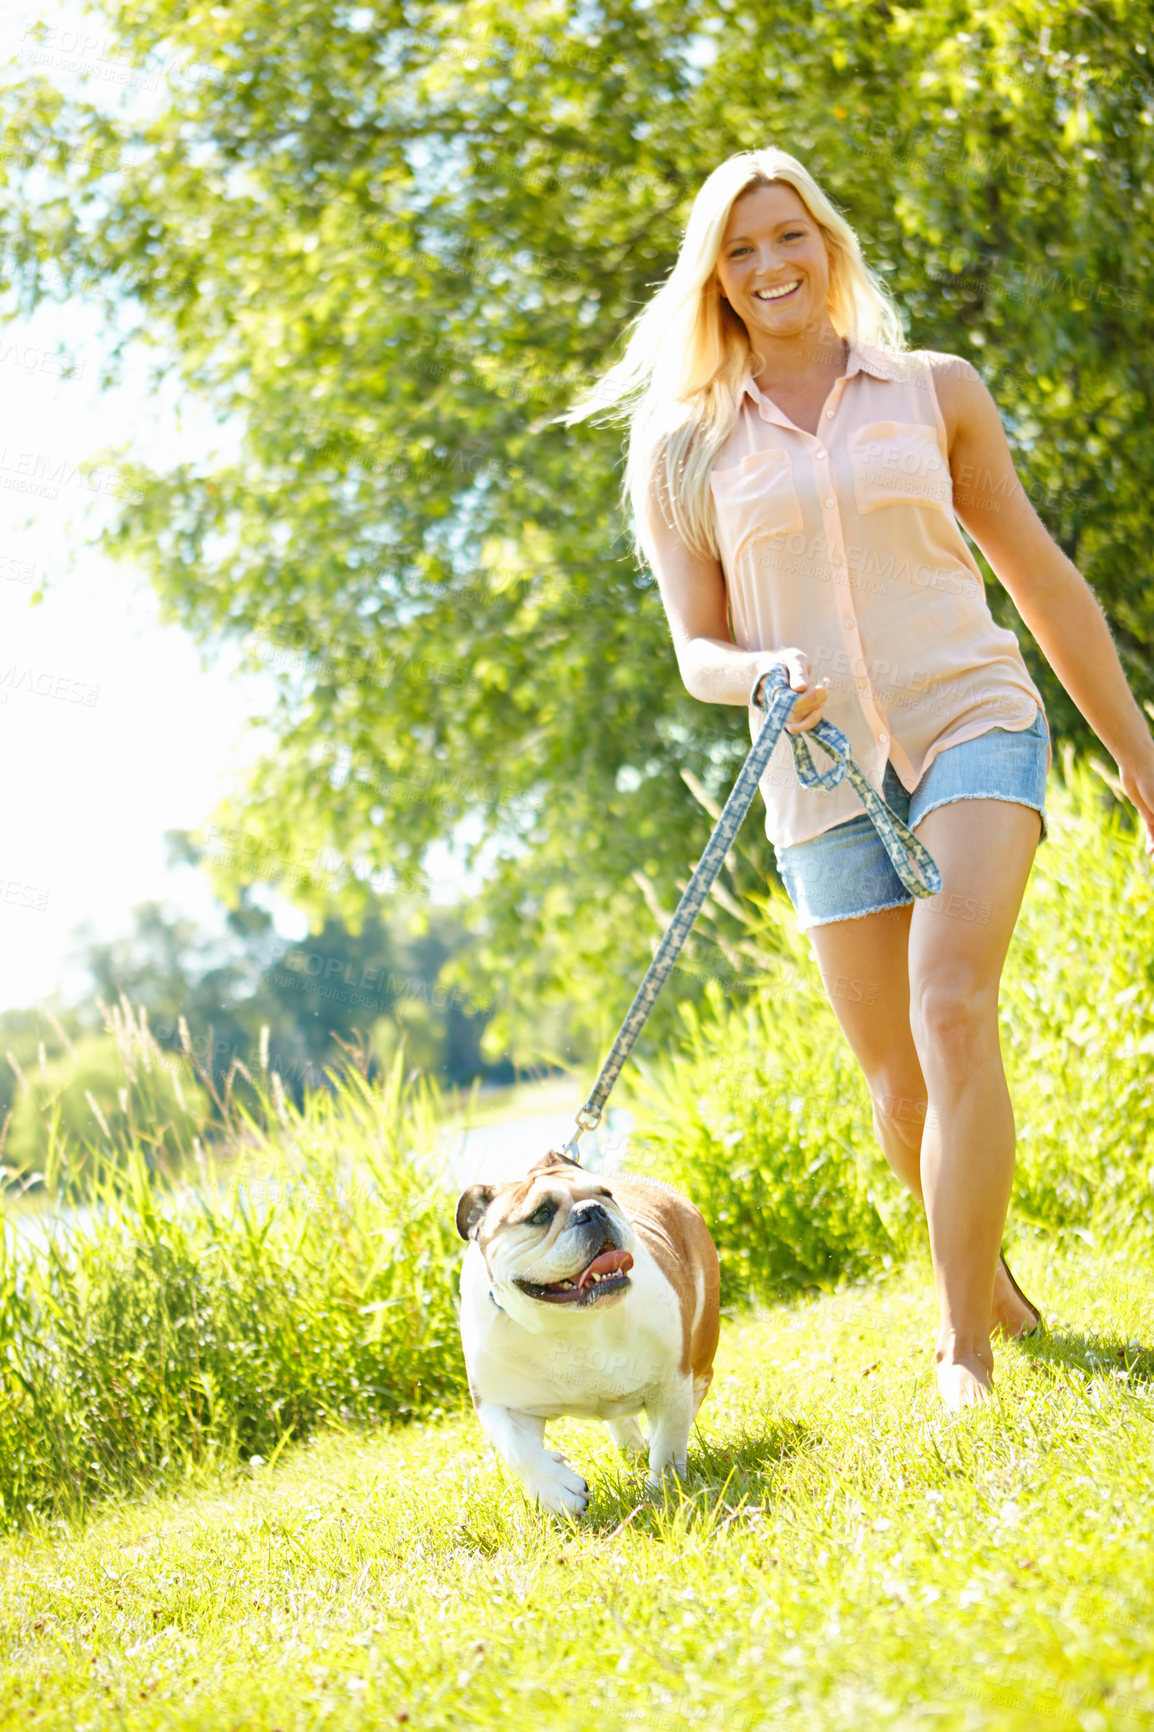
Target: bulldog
<point x="589" y="1296"/>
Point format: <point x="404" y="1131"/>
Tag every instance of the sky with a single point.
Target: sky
<point x="113" y="728"/>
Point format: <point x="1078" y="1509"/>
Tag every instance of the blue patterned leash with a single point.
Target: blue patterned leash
<point x="912" y="861"/>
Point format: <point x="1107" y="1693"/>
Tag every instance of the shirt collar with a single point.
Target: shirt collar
<point x="863" y="358"/>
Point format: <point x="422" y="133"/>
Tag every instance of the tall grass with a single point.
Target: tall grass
<point x="763" y="1117"/>
<point x="298" y="1269"/>
<point x="306" y="1279"/>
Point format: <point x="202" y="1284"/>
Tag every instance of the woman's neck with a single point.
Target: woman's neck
<point x="800" y="359"/>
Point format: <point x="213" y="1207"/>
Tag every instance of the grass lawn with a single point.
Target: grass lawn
<point x="842" y="1555"/>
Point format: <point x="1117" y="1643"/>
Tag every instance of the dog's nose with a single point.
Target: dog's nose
<point x="590" y="1214"/>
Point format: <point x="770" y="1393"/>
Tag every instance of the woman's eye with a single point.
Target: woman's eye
<point x="791" y="235"/>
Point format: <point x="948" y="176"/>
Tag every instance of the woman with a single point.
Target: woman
<point x="797" y="480"/>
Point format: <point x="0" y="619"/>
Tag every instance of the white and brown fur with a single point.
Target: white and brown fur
<point x="648" y="1347"/>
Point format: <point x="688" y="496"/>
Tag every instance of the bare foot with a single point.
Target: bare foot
<point x="1010" y="1316"/>
<point x="963" y="1383"/>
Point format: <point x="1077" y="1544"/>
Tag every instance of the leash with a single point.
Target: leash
<point x="911" y="859"/>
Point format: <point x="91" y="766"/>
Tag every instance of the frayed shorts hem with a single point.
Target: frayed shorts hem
<point x="858" y="914"/>
<point x="844" y="873"/>
<point x="905" y="898"/>
<point x="991" y="794"/>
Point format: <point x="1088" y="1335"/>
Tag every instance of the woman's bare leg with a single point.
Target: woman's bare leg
<point x="864" y="965"/>
<point x="957" y="947"/>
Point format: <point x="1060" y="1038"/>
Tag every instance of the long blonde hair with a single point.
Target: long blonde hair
<point x="679" y="379"/>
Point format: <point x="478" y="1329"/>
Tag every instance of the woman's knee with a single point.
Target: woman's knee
<point x="953" y="1018"/>
<point x="900" y="1100"/>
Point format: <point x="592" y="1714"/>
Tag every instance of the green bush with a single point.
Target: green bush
<point x="762" y="1115"/>
<point x="763" y="1118"/>
<point x="167" y="1327"/>
<point x="1078" y="1021"/>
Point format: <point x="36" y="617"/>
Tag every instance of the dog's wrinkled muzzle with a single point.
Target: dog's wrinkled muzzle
<point x="606" y="1273"/>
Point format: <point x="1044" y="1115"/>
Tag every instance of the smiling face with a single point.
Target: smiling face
<point x="555" y="1238"/>
<point x="773" y="266"/>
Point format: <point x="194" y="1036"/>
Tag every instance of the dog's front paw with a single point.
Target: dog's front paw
<point x="558" y="1487"/>
<point x="665" y="1474"/>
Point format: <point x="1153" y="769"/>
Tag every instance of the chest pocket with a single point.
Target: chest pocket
<point x="756" y="498"/>
<point x="899" y="463"/>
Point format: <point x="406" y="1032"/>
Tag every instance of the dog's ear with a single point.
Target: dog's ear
<point x="471" y="1205"/>
<point x="555" y="1158"/>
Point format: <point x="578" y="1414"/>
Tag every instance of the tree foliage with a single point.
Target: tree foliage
<point x="394" y="240"/>
<point x="223" y="1008"/>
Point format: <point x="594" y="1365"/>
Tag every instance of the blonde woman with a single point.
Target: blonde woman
<point x="797" y="479"/>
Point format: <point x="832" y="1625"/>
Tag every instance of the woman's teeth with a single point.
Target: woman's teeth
<point x="776" y="294"/>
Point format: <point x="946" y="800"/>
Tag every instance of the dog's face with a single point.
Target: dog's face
<point x="554" y="1241"/>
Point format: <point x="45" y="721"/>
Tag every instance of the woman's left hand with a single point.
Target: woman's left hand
<point x="1138" y="787"/>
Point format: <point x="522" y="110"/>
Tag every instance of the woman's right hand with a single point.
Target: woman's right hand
<point x="807" y="711"/>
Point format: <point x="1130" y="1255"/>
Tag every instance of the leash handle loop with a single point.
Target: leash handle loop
<point x="910" y="859"/>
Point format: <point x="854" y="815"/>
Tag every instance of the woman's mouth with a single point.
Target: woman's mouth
<point x="781" y="293"/>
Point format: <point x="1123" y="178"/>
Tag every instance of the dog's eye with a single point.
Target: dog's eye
<point x="542" y="1215"/>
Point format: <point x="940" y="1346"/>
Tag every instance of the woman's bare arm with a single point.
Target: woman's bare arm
<point x="712" y="667"/>
<point x="1048" y="591"/>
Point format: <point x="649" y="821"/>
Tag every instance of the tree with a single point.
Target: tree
<point x="397" y="240"/>
<point x="316" y="997"/>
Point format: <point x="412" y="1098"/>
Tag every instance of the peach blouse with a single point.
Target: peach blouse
<point x="844" y="544"/>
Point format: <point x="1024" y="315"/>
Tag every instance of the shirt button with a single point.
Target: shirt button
<point x="829" y="414"/>
<point x="820" y="452"/>
<point x="830" y="502"/>
<point x="848" y="623"/>
<point x="882" y="739"/>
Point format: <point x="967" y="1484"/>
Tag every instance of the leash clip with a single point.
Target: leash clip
<point x="588" y="1118"/>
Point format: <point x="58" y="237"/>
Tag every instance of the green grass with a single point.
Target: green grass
<point x="843" y="1555"/>
<point x="309" y="1281"/>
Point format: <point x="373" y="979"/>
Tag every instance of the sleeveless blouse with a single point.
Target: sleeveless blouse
<point x="844" y="544"/>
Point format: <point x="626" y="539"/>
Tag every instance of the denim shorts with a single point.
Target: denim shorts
<point x="845" y="872"/>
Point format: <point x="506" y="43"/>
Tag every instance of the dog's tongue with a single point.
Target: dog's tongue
<point x="608" y="1263"/>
